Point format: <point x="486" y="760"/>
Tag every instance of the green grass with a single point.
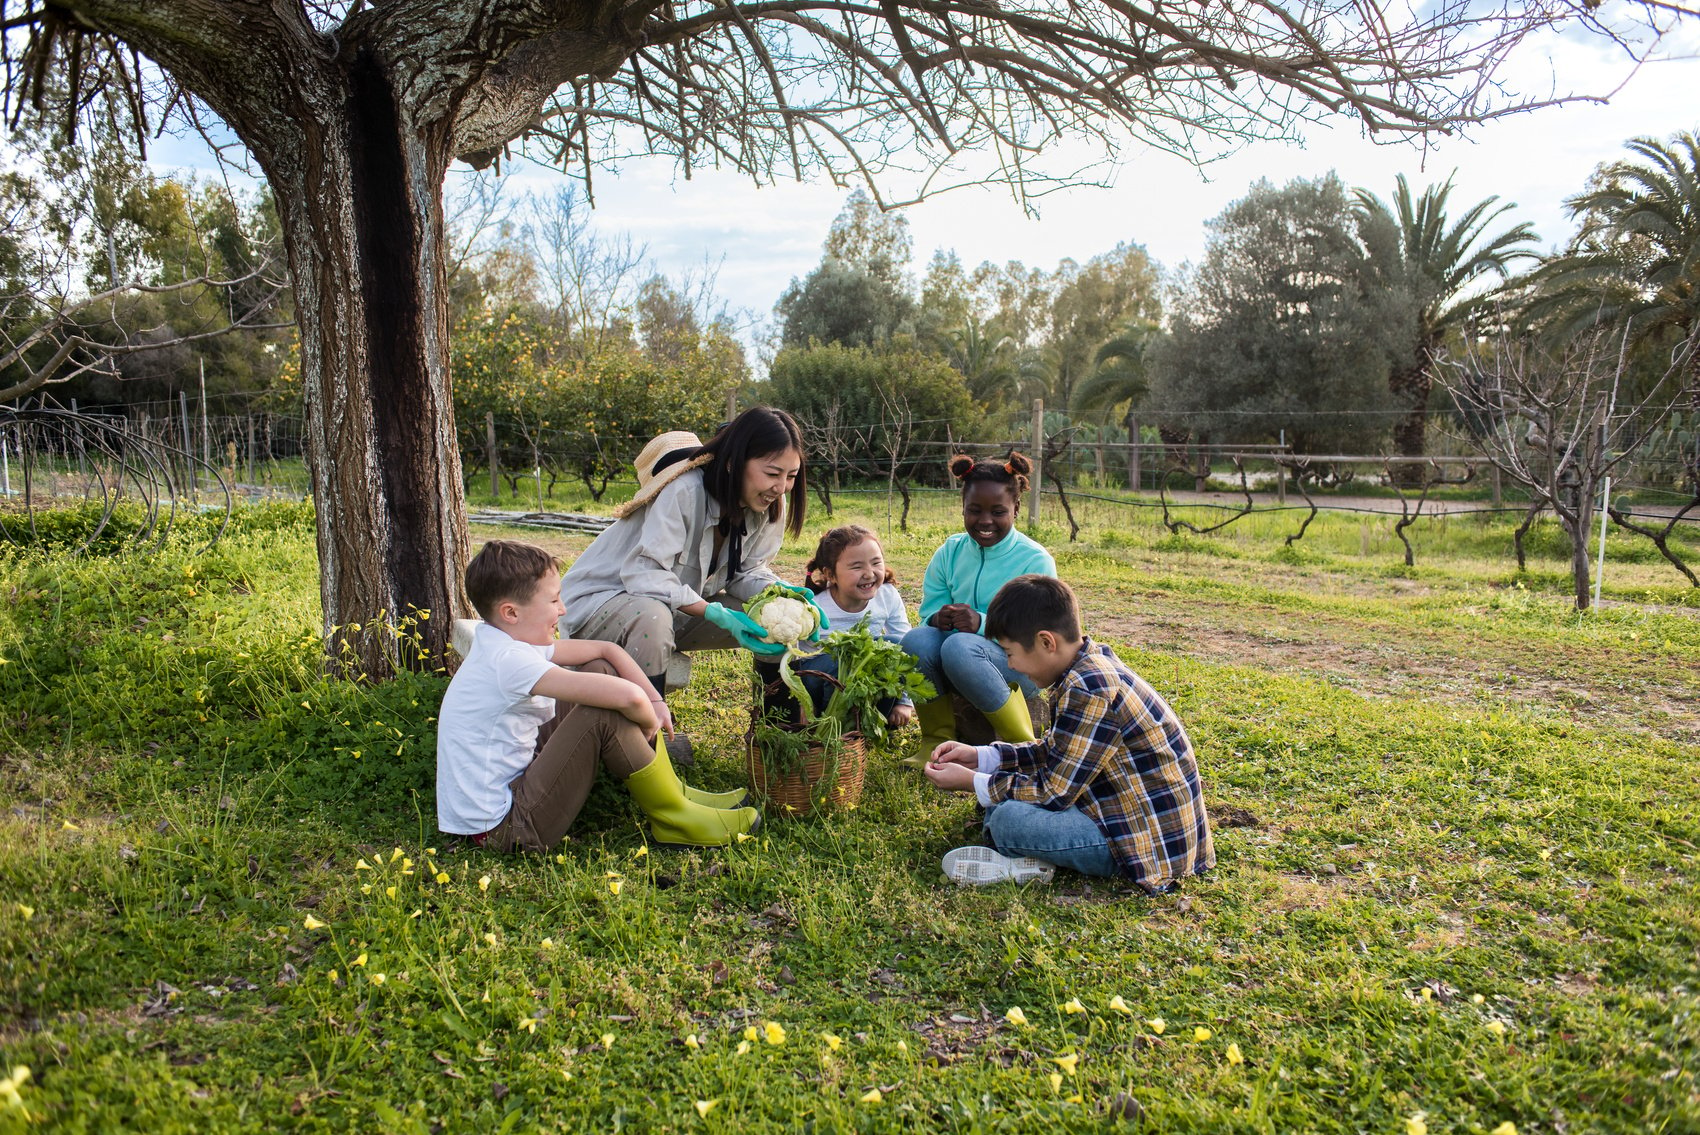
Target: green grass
<point x="1445" y="803"/>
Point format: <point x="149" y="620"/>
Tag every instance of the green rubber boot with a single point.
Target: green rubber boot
<point x="736" y="798"/>
<point x="938" y="724"/>
<point x="673" y="818"/>
<point x="1011" y="719"/>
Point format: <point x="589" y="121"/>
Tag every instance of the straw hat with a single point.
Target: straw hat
<point x="649" y="481"/>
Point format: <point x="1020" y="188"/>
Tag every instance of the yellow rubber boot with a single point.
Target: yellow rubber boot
<point x="735" y="798"/>
<point x="675" y="819"/>
<point x="1011" y="719"/>
<point x="938" y="724"/>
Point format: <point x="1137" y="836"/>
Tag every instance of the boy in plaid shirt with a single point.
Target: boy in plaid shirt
<point x="1111" y="789"/>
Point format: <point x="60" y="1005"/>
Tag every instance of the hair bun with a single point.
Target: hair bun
<point x="1018" y="463"/>
<point x="961" y="465"/>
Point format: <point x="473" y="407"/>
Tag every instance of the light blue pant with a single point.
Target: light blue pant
<point x="1069" y="838"/>
<point x="965" y="663"/>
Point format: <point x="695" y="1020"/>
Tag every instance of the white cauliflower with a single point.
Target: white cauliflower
<point x="785" y="619"/>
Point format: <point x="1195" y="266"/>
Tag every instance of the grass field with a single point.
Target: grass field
<point x="1457" y="826"/>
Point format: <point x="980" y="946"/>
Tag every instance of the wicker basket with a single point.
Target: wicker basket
<point x="815" y="785"/>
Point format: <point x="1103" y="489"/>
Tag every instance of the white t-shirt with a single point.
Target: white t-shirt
<point x="884" y="612"/>
<point x="487" y="729"/>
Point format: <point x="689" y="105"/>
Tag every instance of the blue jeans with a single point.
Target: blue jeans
<point x="1068" y="838"/>
<point x="968" y="664"/>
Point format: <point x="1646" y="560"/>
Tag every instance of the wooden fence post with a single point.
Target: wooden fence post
<point x="250" y="449"/>
<point x="1038" y="456"/>
<point x="1133" y="477"/>
<point x="188" y="440"/>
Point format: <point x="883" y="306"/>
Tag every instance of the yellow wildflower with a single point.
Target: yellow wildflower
<point x="607" y="1040"/>
<point x="360" y="961"/>
<point x="443" y="878"/>
<point x="68" y="826"/>
<point x="743" y="1047"/>
<point x="903" y="1046"/>
<point x="775" y="1032"/>
<point x="1056" y="1081"/>
<point x="1157" y="1025"/>
<point x="362" y="865"/>
<point x="365" y="888"/>
<point x="705" y="1106"/>
<point x="832" y="1041"/>
<point x="872" y="1095"/>
<point x="1015" y="1016"/>
<point x="547" y="943"/>
<point x="331" y="977"/>
<point x="640" y="853"/>
<point x="1506" y="1128"/>
<point x="484" y="883"/>
<point x="750" y="1032"/>
<point x="1067" y="1063"/>
<point x="390" y="891"/>
<point x="1121" y="1006"/>
<point x="1072" y="1006"/>
<point x="692" y="1041"/>
<point x="614" y="885"/>
<point x="529" y="1024"/>
<point x="744" y="837"/>
<point x="396" y="854"/>
<point x="26" y="910"/>
<point x="1497" y="1028"/>
<point x="1200" y="1034"/>
<point x="1417" y="1125"/>
<point x="1234" y="1056"/>
<point x="378" y="979"/>
<point x="1477" y="999"/>
<point x="312" y="923"/>
<point x="490" y="937"/>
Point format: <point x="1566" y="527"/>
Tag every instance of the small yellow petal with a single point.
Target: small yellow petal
<point x="26" y="910"/>
<point x="775" y="1032"/>
<point x="390" y="891"/>
<point x="1157" y="1025"/>
<point x="68" y="826"/>
<point x="1234" y="1056"/>
<point x="395" y="855"/>
<point x="640" y="853"/>
<point x="486" y="997"/>
<point x="611" y="875"/>
<point x="615" y="885"/>
<point x="1067" y="1063"/>
<point x="692" y="1041"/>
<point x="705" y="1106"/>
<point x="1015" y="1016"/>
<point x="490" y="937"/>
<point x="312" y="923"/>
<point x="607" y="1040"/>
<point x="365" y="888"/>
<point x="1477" y="999"/>
<point x="872" y="1095"/>
<point x="484" y="883"/>
<point x="529" y="1024"/>
<point x="331" y="977"/>
<point x="743" y="1047"/>
<point x="744" y="837"/>
<point x="1200" y="1034"/>
<point x="1072" y="1006"/>
<point x="378" y="979"/>
<point x="1056" y="1081"/>
<point x="1120" y="1006"/>
<point x="750" y="1032"/>
<point x="1497" y="1028"/>
<point x="832" y="1041"/>
<point x="443" y="878"/>
<point x="547" y="943"/>
<point x="360" y="961"/>
<point x="903" y="1046"/>
<point x="1506" y="1128"/>
<point x="362" y="865"/>
<point x="1416" y="1125"/>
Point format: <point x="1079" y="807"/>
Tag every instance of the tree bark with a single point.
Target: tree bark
<point x="359" y="194"/>
<point x="1411" y="385"/>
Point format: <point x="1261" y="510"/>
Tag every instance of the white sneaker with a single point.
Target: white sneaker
<point x="979" y="866"/>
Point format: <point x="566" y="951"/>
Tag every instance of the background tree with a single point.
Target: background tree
<point x="1120" y="378"/>
<point x="1412" y="246"/>
<point x="861" y="294"/>
<point x="1088" y="303"/>
<point x="1635" y="263"/>
<point x="354" y="112"/>
<point x="1281" y="329"/>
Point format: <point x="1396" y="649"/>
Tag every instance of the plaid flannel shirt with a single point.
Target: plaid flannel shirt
<point x="1117" y="752"/>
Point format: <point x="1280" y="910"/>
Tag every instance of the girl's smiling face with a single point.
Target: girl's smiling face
<point x="858" y="573"/>
<point x="988" y="512"/>
<point x="766" y="479"/>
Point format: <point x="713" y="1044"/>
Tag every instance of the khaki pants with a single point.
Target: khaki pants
<point x="650" y="631"/>
<point x="549" y="794"/>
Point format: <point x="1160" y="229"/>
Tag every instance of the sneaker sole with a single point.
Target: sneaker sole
<point x="984" y="866"/>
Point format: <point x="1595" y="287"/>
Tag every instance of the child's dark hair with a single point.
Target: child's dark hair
<point x="506" y="569"/>
<point x="832" y="546"/>
<point x="1011" y="472"/>
<point x="760" y="431"/>
<point x="1029" y="604"/>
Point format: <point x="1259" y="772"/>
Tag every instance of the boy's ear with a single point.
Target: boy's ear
<point x="1046" y="641"/>
<point x="506" y="611"/>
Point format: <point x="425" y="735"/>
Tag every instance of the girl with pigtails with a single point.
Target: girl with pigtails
<point x="950" y="646"/>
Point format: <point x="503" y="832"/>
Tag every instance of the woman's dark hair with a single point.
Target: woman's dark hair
<point x="832" y="546"/>
<point x="1010" y="473"/>
<point x="760" y="431"/>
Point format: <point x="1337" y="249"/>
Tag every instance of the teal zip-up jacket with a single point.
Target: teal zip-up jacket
<point x="963" y="572"/>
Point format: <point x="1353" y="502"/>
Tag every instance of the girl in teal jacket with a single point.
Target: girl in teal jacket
<point x="950" y="646"/>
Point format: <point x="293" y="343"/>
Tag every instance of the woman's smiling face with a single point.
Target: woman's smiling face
<point x="988" y="512"/>
<point x="766" y="479"/>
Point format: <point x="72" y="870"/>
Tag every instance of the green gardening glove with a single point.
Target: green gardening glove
<point x="744" y="629"/>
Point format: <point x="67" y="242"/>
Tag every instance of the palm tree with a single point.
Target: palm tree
<point x="1636" y="261"/>
<point x="1441" y="267"/>
<point x="986" y="358"/>
<point x="1119" y="377"/>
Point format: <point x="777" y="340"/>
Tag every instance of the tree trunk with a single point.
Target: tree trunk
<point x="1410" y="386"/>
<point x="359" y="190"/>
